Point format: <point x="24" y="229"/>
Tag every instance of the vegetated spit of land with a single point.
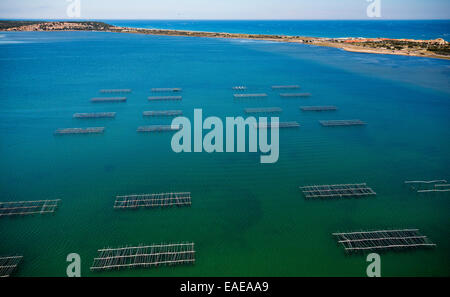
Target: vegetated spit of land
<point x="438" y="48"/>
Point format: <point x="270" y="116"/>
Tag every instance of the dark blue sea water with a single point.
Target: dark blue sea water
<point x="416" y="29"/>
<point x="247" y="218"/>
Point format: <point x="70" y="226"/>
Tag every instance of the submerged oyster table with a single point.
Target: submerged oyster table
<point x="425" y="181"/>
<point x="153" y="200"/>
<point x="90" y="130"/>
<point x="437" y="188"/>
<point x="166" y="89"/>
<point x="383" y="240"/>
<point x="144" y="256"/>
<point x="337" y="191"/>
<point x="115" y="91"/>
<point x="157" y="113"/>
<point x="28" y="207"/>
<point x="94" y="115"/>
<point x="164" y="98"/>
<point x="263" y="110"/>
<point x="108" y="99"/>
<point x="318" y="108"/>
<point x="286" y="87"/>
<point x="337" y="123"/>
<point x="278" y="125"/>
<point x="294" y="95"/>
<point x="259" y="95"/>
<point x="438" y="185"/>
<point x="159" y="128"/>
<point x="8" y="265"/>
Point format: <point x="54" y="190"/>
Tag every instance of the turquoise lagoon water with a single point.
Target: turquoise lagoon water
<point x="417" y="29"/>
<point x="247" y="218"/>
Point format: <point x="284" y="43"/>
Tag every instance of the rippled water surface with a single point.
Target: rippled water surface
<point x="247" y="218"/>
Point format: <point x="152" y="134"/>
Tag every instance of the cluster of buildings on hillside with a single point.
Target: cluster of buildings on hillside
<point x="61" y="26"/>
<point x="438" y="41"/>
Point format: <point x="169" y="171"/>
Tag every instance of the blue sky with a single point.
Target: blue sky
<point x="225" y="9"/>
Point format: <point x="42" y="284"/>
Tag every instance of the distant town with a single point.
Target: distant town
<point x="437" y="48"/>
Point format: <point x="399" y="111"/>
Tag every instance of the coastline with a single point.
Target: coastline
<point x="318" y="41"/>
<point x="384" y="46"/>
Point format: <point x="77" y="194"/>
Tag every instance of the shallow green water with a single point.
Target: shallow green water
<point x="247" y="218"/>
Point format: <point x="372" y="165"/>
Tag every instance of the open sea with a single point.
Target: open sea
<point x="246" y="218"/>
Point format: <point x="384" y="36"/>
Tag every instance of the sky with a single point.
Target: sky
<point x="224" y="9"/>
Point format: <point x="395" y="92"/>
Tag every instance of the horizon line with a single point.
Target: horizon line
<point x="156" y="19"/>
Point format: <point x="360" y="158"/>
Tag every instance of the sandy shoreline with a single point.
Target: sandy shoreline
<point x="319" y="41"/>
